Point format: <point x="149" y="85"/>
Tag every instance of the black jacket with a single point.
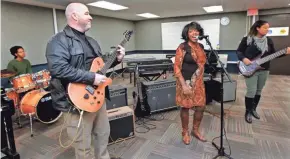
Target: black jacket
<point x="251" y="51"/>
<point x="66" y="63"/>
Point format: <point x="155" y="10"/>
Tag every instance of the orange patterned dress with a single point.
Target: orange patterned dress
<point x="197" y="98"/>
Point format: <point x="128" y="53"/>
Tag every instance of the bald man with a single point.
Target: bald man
<point x="70" y="54"/>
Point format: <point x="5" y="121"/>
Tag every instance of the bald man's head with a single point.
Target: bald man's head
<point x="78" y="16"/>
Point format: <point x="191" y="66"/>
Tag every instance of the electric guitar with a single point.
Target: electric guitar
<point x="249" y="70"/>
<point x="141" y="107"/>
<point x="90" y="98"/>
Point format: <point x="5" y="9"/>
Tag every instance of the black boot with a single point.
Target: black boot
<point x="255" y="104"/>
<point x="249" y="107"/>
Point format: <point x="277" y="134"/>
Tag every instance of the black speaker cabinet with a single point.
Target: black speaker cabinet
<point x="160" y="95"/>
<point x="118" y="95"/>
<point x="229" y="90"/>
<point x="121" y="124"/>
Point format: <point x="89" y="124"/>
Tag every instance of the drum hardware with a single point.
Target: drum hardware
<point x="17" y="120"/>
<point x="30" y="117"/>
<point x="19" y="115"/>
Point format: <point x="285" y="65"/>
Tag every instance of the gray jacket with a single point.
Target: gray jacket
<point x="66" y="63"/>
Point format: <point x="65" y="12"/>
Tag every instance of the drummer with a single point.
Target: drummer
<point x="19" y="64"/>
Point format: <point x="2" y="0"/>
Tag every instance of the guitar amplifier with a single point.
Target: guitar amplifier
<point x="160" y="95"/>
<point x="121" y="124"/>
<point x="118" y="95"/>
<point x="229" y="90"/>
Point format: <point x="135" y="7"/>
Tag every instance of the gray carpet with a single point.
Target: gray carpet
<point x="267" y="138"/>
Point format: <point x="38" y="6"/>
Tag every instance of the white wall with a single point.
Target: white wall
<point x="27" y="26"/>
<point x="149" y="32"/>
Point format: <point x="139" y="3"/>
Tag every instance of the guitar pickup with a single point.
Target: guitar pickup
<point x="90" y="89"/>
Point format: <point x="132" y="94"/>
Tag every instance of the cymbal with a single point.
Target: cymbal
<point x="6" y="73"/>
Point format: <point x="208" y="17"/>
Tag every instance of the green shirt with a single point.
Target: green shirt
<point x="20" y="67"/>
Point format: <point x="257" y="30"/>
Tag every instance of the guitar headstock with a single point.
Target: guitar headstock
<point x="127" y="34"/>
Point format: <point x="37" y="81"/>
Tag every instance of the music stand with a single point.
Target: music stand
<point x="220" y="149"/>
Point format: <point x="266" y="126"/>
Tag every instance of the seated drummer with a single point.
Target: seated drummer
<point x="19" y="64"/>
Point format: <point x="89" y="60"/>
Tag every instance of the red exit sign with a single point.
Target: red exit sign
<point x="252" y="12"/>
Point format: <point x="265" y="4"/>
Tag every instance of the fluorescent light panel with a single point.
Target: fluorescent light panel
<point x="107" y="5"/>
<point x="148" y="15"/>
<point x="212" y="9"/>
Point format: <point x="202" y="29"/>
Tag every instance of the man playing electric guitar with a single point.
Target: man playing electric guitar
<point x="70" y="54"/>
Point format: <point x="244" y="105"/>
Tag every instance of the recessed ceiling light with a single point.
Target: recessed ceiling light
<point x="289" y="4"/>
<point x="148" y="15"/>
<point x="107" y="5"/>
<point x="212" y="9"/>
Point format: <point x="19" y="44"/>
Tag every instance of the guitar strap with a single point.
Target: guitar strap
<point x="254" y="43"/>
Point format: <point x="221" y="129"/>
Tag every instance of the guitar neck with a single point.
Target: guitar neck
<point x="138" y="82"/>
<point x="140" y="91"/>
<point x="271" y="57"/>
<point x="112" y="58"/>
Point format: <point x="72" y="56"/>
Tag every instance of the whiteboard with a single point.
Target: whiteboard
<point x="171" y="33"/>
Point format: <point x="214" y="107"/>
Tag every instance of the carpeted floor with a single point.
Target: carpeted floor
<point x="267" y="138"/>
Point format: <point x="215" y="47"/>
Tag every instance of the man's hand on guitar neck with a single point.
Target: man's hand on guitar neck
<point x="99" y="79"/>
<point x="288" y="51"/>
<point x="121" y="53"/>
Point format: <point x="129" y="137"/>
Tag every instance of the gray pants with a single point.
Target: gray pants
<point x="94" y="131"/>
<point x="256" y="83"/>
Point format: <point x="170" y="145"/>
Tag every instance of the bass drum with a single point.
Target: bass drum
<point x="39" y="102"/>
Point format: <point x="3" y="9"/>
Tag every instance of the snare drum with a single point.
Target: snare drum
<point x="23" y="83"/>
<point x="42" y="78"/>
<point x="38" y="102"/>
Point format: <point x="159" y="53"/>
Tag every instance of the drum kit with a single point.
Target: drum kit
<point x="31" y="97"/>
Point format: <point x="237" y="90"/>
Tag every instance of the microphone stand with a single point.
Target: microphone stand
<point x="220" y="149"/>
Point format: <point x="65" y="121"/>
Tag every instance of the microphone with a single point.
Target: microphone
<point x="201" y="37"/>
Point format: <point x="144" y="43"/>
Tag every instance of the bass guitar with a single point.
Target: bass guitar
<point x="90" y="98"/>
<point x="141" y="107"/>
<point x="249" y="70"/>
